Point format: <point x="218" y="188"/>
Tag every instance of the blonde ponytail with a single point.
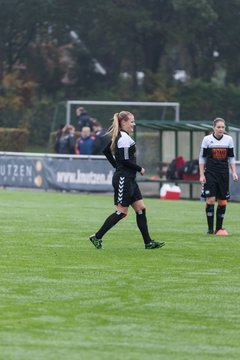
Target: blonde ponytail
<point x="116" y="126"/>
<point x="113" y="130"/>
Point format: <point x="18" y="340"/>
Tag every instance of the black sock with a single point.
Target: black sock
<point x="142" y="225"/>
<point x="210" y="216"/>
<point x="112" y="220"/>
<point x="220" y="216"/>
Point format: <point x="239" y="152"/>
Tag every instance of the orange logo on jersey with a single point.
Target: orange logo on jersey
<point x="219" y="154"/>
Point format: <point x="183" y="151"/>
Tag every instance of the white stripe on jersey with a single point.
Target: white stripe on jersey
<point x="125" y="142"/>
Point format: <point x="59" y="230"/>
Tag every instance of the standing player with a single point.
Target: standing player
<point x="126" y="190"/>
<point x="216" y="155"/>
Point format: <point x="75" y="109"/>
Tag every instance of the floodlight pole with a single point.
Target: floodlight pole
<point x="176" y="105"/>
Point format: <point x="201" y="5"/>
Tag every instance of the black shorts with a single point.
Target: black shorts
<point x="217" y="185"/>
<point x="126" y="190"/>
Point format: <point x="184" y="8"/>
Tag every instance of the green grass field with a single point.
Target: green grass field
<point x="60" y="298"/>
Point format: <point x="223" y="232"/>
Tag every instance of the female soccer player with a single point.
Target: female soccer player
<point x="121" y="153"/>
<point x="216" y="156"/>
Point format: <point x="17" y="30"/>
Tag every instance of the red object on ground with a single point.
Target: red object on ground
<point x="222" y="232"/>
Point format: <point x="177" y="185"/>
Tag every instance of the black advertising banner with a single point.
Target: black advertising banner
<point x="79" y="174"/>
<point x="93" y="174"/>
<point x="68" y="174"/>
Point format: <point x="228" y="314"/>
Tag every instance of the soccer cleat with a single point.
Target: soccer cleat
<point x="221" y="232"/>
<point x="96" y="242"/>
<point x="211" y="232"/>
<point x="154" y="245"/>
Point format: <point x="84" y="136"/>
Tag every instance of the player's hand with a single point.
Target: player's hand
<point x="235" y="177"/>
<point x="142" y="172"/>
<point x="202" y="179"/>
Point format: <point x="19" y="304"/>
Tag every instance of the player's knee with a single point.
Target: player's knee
<point x="141" y="211"/>
<point x="211" y="201"/>
<point x="222" y="202"/>
<point x="121" y="214"/>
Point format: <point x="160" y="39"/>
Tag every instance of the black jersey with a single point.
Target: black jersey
<point x="216" y="153"/>
<point x="124" y="159"/>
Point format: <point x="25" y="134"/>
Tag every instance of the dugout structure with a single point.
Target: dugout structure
<point x="159" y="142"/>
<point x="179" y="138"/>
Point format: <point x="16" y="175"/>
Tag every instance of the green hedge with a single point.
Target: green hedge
<point x="13" y="139"/>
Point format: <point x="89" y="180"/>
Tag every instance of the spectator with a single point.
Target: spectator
<point x="66" y="140"/>
<point x="83" y="119"/>
<point x="101" y="139"/>
<point x="173" y="168"/>
<point x="84" y="144"/>
<point x="58" y="135"/>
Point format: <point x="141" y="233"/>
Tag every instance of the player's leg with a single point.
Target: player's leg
<point x="210" y="193"/>
<point x="223" y="195"/>
<point x="110" y="221"/>
<point x="121" y="202"/>
<point x="141" y="219"/>
<point x="221" y="209"/>
<point x="210" y="202"/>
